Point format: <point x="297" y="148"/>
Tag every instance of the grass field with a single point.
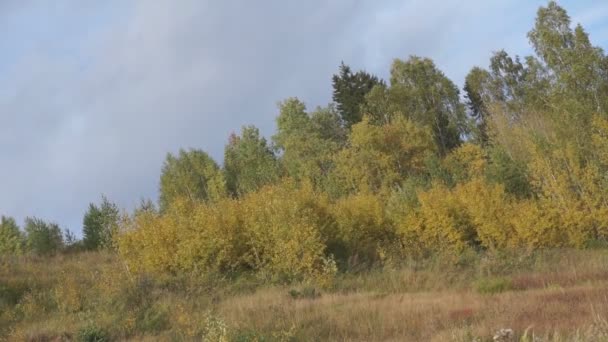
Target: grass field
<point x="559" y="295"/>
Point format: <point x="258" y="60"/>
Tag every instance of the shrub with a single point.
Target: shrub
<point x="493" y="285"/>
<point x="286" y="230"/>
<point x="279" y="232"/>
<point x="12" y="292"/>
<point x="441" y="223"/>
<point x="93" y="333"/>
<point x="362" y="229"/>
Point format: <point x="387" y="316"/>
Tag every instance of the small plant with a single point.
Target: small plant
<point x="214" y="329"/>
<point x="93" y="333"/>
<point x="503" y="335"/>
<point x="249" y="336"/>
<point x="305" y="293"/>
<point x="493" y="285"/>
<point x="153" y="319"/>
<point x="10" y="294"/>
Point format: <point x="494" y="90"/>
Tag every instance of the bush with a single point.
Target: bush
<point x="286" y="230"/>
<point x="12" y="292"/>
<point x="441" y="223"/>
<point x="279" y="232"/>
<point x="362" y="230"/>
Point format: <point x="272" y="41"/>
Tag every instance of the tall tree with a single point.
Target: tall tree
<point x="580" y="70"/>
<point x="306" y="143"/>
<point x="422" y="93"/>
<point x="193" y="175"/>
<point x="474" y="86"/>
<point x="43" y="238"/>
<point x="11" y="238"/>
<point x="99" y="224"/>
<point x="349" y="90"/>
<point x="249" y="163"/>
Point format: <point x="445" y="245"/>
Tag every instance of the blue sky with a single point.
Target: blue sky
<point x="93" y="94"/>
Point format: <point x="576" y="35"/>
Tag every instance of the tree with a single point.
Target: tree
<point x="306" y="145"/>
<point x="422" y="93"/>
<point x="11" y="238"/>
<point x="427" y="96"/>
<point x="146" y="205"/>
<point x="578" y="70"/>
<point x="381" y="157"/>
<point x="475" y="86"/>
<point x="249" y="163"/>
<point x="43" y="238"/>
<point x="327" y="123"/>
<point x="517" y="87"/>
<point x="99" y="224"/>
<point x="552" y="38"/>
<point x="349" y="92"/>
<point x="193" y="175"/>
<point x="556" y="91"/>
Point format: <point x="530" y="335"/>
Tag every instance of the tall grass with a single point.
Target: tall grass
<point x="558" y="295"/>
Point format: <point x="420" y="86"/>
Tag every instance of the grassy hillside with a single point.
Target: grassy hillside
<point x="403" y="211"/>
<point x="557" y="294"/>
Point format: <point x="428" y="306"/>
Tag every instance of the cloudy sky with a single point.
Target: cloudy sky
<point x="93" y="94"/>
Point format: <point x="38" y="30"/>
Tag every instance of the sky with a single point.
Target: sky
<point x="94" y="94"/>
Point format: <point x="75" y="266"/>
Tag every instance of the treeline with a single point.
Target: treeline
<point x="45" y="238"/>
<point x="395" y="169"/>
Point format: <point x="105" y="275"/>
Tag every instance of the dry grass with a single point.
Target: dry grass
<point x="426" y="316"/>
<point x="560" y="295"/>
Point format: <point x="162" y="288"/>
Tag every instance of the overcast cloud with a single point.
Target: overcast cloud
<point x="93" y="94"/>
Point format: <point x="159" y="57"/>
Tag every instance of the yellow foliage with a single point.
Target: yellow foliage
<point x="571" y="191"/>
<point x="211" y="238"/>
<point x="68" y="293"/>
<point x="466" y="162"/>
<point x="440" y="223"/>
<point x="362" y="227"/>
<point x="570" y="207"/>
<point x="285" y="231"/>
<point x="382" y="156"/>
<point x="289" y="231"/>
<point x="489" y="210"/>
<point x="538" y="225"/>
<point x="150" y="242"/>
<point x="452" y="220"/>
<point x="599" y="138"/>
<point x="279" y="232"/>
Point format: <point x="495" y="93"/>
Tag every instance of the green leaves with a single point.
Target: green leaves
<point x="423" y="94"/>
<point x="43" y="238"/>
<point x="100" y="224"/>
<point x="249" y="163"/>
<point x="193" y="175"/>
<point x="11" y="238"/>
<point x="306" y="143"/>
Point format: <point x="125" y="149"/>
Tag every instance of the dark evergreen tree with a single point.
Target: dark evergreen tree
<point x="349" y="92"/>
